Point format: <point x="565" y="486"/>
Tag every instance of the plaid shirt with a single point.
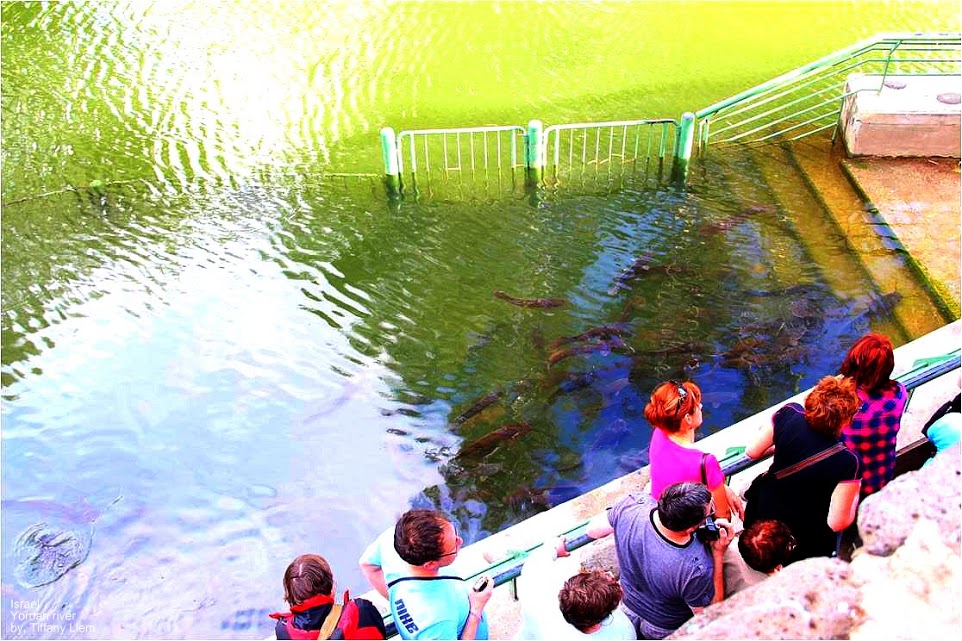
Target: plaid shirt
<point x="872" y="435"/>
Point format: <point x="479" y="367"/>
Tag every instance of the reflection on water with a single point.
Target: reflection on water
<point x="263" y="358"/>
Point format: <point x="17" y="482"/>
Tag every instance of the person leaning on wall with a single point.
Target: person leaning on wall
<point x="675" y="411"/>
<point x="560" y="600"/>
<point x="814" y="480"/>
<point x="874" y="429"/>
<point x="314" y="614"/>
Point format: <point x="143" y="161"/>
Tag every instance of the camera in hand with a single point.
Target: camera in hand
<point x="708" y="532"/>
<point x="481" y="584"/>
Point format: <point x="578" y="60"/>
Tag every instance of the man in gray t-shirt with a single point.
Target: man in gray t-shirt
<point x="667" y="573"/>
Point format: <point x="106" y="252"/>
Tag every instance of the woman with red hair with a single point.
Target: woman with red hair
<point x="675" y="412"/>
<point x="813" y="483"/>
<point x="873" y="431"/>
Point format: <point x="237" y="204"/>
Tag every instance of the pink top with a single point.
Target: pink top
<point x="671" y="463"/>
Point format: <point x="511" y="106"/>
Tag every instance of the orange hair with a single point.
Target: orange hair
<point x="831" y="405"/>
<point x="667" y="408"/>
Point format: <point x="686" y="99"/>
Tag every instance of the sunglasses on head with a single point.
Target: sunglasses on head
<point x="682" y="395"/>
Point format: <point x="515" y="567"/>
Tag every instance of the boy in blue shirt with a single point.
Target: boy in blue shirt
<point x="406" y="568"/>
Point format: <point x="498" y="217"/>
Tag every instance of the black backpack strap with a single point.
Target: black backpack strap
<point x="704" y="472"/>
<point x="422" y="578"/>
<point x="946" y="408"/>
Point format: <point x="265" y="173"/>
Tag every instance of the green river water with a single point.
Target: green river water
<point x="211" y="310"/>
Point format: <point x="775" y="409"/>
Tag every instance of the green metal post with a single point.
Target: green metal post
<point x="533" y="162"/>
<point x="683" y="147"/>
<point x="392" y="169"/>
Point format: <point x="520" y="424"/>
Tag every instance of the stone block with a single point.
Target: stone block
<point x="902" y="116"/>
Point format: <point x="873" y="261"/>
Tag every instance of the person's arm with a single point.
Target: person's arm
<point x="842" y="509"/>
<point x="720" y="496"/>
<point x="542" y="577"/>
<point x="763" y="441"/>
<point x="370" y="563"/>
<point x="599" y="527"/>
<point x="717" y="548"/>
<point x="375" y="576"/>
<point x="477" y="601"/>
<point x="735" y="502"/>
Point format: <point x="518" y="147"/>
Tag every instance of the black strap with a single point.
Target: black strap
<point x="422" y="578"/>
<point x="811" y="460"/>
<point x="704" y="472"/>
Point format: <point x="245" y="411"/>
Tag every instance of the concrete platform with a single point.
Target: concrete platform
<point x="902" y="116"/>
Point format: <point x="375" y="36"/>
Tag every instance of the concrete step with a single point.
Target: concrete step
<point x="916" y="201"/>
<point x="798" y="201"/>
<point x="878" y="249"/>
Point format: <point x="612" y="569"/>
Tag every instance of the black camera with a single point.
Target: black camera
<point x="708" y="532"/>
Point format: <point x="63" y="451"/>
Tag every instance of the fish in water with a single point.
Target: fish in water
<point x="602" y="331"/>
<point x="478" y="406"/>
<point x="488" y="443"/>
<point x="736" y="219"/>
<point x="604" y="347"/>
<point x="686" y="347"/>
<point x="528" y="498"/>
<point x="47" y="553"/>
<point x="545" y="303"/>
<point x="640" y="267"/>
<point x="43" y="552"/>
<point x="878" y="304"/>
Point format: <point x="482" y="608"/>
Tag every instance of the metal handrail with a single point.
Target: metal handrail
<point x="828" y="69"/>
<point x="509" y="568"/>
<point x="839" y="56"/>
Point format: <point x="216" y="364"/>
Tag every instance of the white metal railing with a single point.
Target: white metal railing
<point x="615" y="148"/>
<point x="469" y="154"/>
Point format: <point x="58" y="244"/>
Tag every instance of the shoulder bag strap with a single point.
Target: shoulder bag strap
<point x="704" y="472"/>
<point x="811" y="460"/>
<point x="331" y="621"/>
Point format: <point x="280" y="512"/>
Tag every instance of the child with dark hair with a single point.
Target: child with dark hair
<point x="309" y="590"/>
<point x="559" y="600"/>
<point x="763" y="548"/>
<point x="873" y="431"/>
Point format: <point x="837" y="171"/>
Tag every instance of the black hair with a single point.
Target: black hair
<point x="683" y="505"/>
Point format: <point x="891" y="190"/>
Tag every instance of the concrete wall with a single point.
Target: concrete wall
<point x="904" y="116"/>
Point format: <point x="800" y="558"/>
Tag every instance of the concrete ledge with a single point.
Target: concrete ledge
<point x="902" y="116"/>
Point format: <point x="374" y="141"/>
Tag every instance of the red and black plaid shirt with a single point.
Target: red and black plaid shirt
<point x="872" y="435"/>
